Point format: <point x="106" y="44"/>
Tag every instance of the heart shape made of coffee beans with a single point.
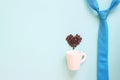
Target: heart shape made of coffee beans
<point x="73" y="41"/>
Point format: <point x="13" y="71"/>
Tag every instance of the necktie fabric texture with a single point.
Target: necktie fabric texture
<point x="102" y="58"/>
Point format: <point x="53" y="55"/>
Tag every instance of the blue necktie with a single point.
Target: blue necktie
<point x="102" y="59"/>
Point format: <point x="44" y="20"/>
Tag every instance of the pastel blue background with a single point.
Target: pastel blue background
<point x="32" y="39"/>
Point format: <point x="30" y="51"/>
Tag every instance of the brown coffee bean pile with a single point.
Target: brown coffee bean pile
<point x="73" y="41"/>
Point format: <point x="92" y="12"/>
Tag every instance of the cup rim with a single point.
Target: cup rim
<point x="74" y="51"/>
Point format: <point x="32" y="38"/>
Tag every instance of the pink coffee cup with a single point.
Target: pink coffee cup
<point x="75" y="59"/>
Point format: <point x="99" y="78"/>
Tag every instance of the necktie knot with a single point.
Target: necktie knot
<point x="103" y="14"/>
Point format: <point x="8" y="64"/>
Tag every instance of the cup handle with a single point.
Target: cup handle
<point x="84" y="57"/>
